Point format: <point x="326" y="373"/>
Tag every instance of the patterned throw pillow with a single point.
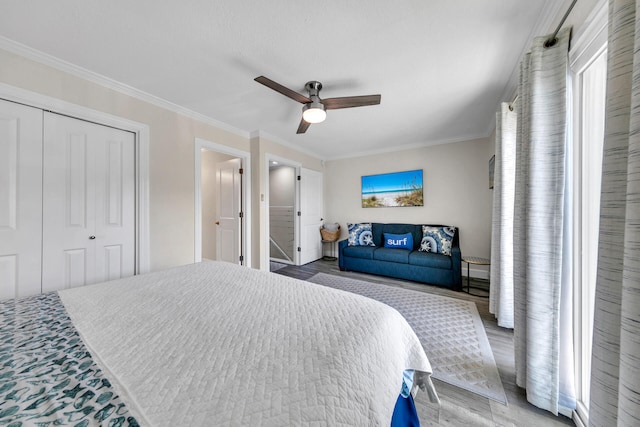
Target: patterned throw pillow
<point x="360" y="234"/>
<point x="437" y="239"/>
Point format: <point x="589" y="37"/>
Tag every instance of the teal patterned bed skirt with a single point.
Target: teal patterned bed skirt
<point x="47" y="375"/>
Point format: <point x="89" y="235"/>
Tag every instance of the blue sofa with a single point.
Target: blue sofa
<point x="426" y="267"/>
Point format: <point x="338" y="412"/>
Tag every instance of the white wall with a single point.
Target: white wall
<point x="282" y="186"/>
<point x="578" y="18"/>
<point x="455" y="182"/>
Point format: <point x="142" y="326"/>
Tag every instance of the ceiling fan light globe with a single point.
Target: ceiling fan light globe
<point x="314" y="113"/>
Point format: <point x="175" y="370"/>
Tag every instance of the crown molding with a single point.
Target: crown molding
<point x="93" y="77"/>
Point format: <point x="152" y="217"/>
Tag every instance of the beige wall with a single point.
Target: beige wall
<point x="171" y="153"/>
<point x="456" y="190"/>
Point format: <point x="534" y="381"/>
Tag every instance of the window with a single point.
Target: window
<point x="589" y="112"/>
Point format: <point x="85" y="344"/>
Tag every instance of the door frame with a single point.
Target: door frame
<point x="245" y="157"/>
<point x="268" y="157"/>
<point x="141" y="132"/>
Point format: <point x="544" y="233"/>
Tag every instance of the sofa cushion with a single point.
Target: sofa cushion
<point x="398" y="241"/>
<point x="364" y="252"/>
<point x="360" y="234"/>
<point x="428" y="259"/>
<point x="392" y="255"/>
<point x="437" y="239"/>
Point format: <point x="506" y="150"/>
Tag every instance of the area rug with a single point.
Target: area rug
<point x="449" y="329"/>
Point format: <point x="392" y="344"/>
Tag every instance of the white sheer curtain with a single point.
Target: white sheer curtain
<point x="542" y="242"/>
<point x="501" y="290"/>
<point x="615" y="369"/>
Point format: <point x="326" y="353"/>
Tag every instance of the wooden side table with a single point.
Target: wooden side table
<point x="476" y="261"/>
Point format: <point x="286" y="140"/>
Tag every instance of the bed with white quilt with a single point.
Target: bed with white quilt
<point x="206" y="344"/>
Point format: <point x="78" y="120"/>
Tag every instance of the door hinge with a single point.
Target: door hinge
<point x="241" y="258"/>
<point x="241" y="214"/>
<point x="299" y="213"/>
<point x="241" y="171"/>
<point x="298" y="177"/>
<point x="299" y="249"/>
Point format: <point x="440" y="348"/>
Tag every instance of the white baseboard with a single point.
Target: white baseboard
<point x="475" y="273"/>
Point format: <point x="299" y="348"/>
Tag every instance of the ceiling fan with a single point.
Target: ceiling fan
<point x="314" y="108"/>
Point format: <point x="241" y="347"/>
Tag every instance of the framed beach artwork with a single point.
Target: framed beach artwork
<point x="393" y="189"/>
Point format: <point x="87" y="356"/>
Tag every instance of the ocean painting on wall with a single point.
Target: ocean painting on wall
<point x="392" y="189"/>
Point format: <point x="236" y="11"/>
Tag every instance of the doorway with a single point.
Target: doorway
<point x="222" y="197"/>
<point x="305" y="195"/>
<point x="282" y="212"/>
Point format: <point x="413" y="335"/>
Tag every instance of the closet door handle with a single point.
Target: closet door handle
<point x="92" y="237"/>
<point x="217" y="222"/>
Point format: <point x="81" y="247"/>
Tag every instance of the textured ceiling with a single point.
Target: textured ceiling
<point x="441" y="66"/>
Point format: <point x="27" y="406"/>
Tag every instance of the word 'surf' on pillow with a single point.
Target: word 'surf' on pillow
<point x="398" y="241"/>
<point x="360" y="234"/>
<point x="437" y="239"/>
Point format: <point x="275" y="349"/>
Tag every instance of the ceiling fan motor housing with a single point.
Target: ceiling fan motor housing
<point x="313" y="87"/>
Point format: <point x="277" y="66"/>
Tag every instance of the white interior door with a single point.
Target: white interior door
<point x="311" y="212"/>
<point x="20" y="200"/>
<point x="229" y="207"/>
<point x="88" y="203"/>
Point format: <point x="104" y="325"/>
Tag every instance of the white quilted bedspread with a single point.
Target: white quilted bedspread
<point x="214" y="344"/>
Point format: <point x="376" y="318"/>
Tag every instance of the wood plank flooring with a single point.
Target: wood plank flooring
<point x="459" y="407"/>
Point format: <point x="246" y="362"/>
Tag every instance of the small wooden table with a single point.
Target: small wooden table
<point x="476" y="261"/>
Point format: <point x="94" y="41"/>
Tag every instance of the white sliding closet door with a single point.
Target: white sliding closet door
<point x="20" y="200"/>
<point x="88" y="203"/>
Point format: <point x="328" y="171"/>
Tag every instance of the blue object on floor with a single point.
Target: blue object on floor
<point x="404" y="413"/>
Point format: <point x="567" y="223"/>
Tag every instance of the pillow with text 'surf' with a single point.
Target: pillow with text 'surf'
<point x="398" y="241"/>
<point x="360" y="234"/>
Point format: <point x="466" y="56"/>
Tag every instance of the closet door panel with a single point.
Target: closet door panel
<point x="115" y="206"/>
<point x="20" y="200"/>
<point x="89" y="197"/>
<point x="68" y="255"/>
<point x="75" y="158"/>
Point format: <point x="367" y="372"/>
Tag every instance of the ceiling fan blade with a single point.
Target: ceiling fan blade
<point x="283" y="90"/>
<point x="303" y="126"/>
<point x="351" y="101"/>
